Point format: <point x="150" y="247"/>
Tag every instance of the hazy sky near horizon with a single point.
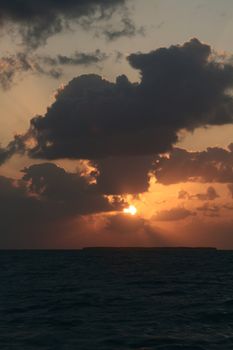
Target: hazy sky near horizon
<point x="97" y="146"/>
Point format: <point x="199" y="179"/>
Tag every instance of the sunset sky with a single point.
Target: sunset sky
<point x="107" y="104"/>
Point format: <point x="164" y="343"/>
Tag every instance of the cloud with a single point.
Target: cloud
<point x="80" y="58"/>
<point x="209" y="210"/>
<point x="37" y="21"/>
<point x="183" y="195"/>
<point x="210" y="194"/>
<point x="15" y="146"/>
<point x="35" y="207"/>
<point x="24" y="219"/>
<point x="16" y="65"/>
<point x="51" y="182"/>
<point x="212" y="165"/>
<point x="127" y="29"/>
<point x="93" y="118"/>
<point x="230" y="188"/>
<point x="122" y="175"/>
<point x="173" y="214"/>
<point x="119" y="56"/>
<point x="181" y="88"/>
<point x="51" y="208"/>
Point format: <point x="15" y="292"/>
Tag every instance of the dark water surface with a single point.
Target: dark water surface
<point x="116" y="299"/>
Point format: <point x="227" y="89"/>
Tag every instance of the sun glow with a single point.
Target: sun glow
<point x="130" y="210"/>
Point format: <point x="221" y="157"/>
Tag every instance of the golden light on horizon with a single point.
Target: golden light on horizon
<point x="132" y="210"/>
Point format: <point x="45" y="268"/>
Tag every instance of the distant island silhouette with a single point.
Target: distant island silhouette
<point x="151" y="248"/>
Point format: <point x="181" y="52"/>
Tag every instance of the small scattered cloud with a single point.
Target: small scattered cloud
<point x="76" y="59"/>
<point x="173" y="214"/>
<point x="210" y="195"/>
<point x="126" y="29"/>
<point x="16" y="65"/>
<point x="183" y="195"/>
<point x="211" y="210"/>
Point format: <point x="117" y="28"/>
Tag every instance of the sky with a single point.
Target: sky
<point x="112" y="105"/>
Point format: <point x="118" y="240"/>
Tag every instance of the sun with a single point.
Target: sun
<point x="132" y="210"/>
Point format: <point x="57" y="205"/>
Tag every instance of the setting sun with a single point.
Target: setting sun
<point x="130" y="210"/>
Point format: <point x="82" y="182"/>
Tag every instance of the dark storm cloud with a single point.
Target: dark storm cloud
<point x="38" y="20"/>
<point x="185" y="86"/>
<point x="15" y="65"/>
<point x="181" y="88"/>
<point x="26" y="221"/>
<point x="112" y="176"/>
<point x="122" y="175"/>
<point x="93" y="118"/>
<point x="213" y="165"/>
<point x="53" y="183"/>
<point x="45" y="198"/>
<point x="173" y="214"/>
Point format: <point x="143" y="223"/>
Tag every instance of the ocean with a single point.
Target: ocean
<point x="121" y="299"/>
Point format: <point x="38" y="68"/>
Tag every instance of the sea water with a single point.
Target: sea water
<point x="119" y="299"/>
